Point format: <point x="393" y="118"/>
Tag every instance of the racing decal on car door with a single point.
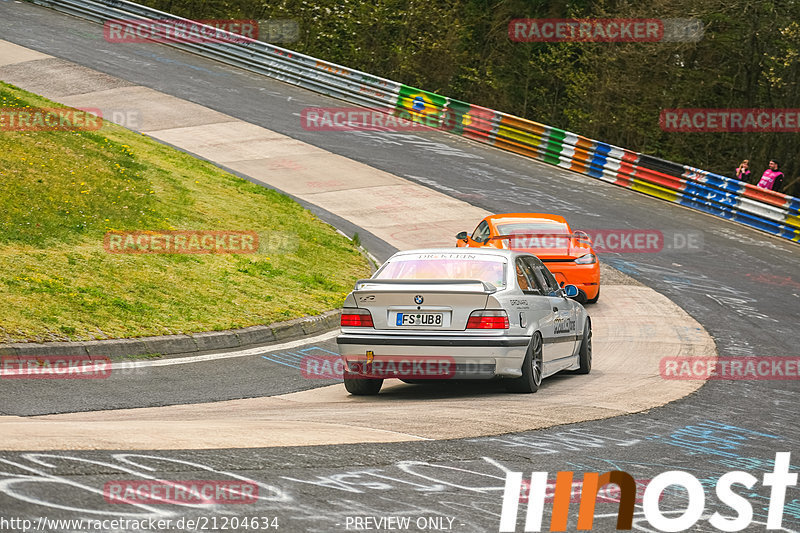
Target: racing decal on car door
<point x="518" y="303"/>
<point x="563" y="324"/>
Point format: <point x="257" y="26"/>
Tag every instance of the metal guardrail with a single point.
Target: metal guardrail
<point x="770" y="211"/>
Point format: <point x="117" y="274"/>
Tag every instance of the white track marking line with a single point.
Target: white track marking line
<point x="367" y="428"/>
<point x="496" y="463"/>
<point x="227" y="355"/>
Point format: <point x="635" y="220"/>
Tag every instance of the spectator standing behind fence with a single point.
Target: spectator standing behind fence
<point x="771" y="179"/>
<point x="743" y="171"/>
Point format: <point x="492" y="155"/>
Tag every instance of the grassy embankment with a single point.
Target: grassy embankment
<point x="61" y="191"/>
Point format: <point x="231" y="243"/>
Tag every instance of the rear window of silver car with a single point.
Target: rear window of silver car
<point x="446" y="266"/>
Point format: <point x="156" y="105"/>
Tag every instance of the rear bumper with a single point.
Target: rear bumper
<point x="451" y="357"/>
<point x="585" y="277"/>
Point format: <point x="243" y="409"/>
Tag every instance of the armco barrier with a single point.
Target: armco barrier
<point x="769" y="211"/>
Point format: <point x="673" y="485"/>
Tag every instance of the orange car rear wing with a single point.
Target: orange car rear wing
<point x="579" y="237"/>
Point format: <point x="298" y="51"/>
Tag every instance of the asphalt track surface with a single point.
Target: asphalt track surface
<point x="742" y="286"/>
<point x="272" y="371"/>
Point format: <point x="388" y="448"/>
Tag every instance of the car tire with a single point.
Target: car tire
<point x="585" y="352"/>
<point x="360" y="385"/>
<point x="532" y="369"/>
<point x="594" y="300"/>
<point x="581" y="297"/>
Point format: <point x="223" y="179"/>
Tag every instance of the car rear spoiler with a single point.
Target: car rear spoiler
<point x="413" y="285"/>
<point x="579" y="237"/>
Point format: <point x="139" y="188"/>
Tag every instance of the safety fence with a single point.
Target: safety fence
<point x="770" y="211"/>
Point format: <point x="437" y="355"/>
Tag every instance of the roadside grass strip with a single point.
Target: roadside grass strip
<point x="63" y="192"/>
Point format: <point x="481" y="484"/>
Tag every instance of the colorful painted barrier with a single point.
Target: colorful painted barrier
<point x="770" y="211"/>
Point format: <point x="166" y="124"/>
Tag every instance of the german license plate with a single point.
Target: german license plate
<point x="420" y="319"/>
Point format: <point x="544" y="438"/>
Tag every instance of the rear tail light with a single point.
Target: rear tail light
<point x="357" y="318"/>
<point x="582" y="237"/>
<point x="587" y="259"/>
<point x="488" y="320"/>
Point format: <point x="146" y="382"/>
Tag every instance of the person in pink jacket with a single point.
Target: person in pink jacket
<point x="771" y="179"/>
<point x="743" y="171"/>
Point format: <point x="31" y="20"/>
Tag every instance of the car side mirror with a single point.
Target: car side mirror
<point x="571" y="291"/>
<point x="462" y="236"/>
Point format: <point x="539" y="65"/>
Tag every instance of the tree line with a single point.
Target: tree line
<point x="748" y="57"/>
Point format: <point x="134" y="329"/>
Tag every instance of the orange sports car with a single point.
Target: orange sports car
<point x="568" y="255"/>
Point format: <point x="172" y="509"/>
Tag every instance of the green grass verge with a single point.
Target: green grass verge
<point x="61" y="191"/>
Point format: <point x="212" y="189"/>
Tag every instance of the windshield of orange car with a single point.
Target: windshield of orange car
<point x="529" y="235"/>
<point x="532" y="228"/>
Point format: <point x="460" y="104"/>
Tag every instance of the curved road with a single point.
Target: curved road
<point x="742" y="286"/>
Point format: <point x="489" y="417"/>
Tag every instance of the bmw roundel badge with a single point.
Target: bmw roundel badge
<point x="418" y="299"/>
